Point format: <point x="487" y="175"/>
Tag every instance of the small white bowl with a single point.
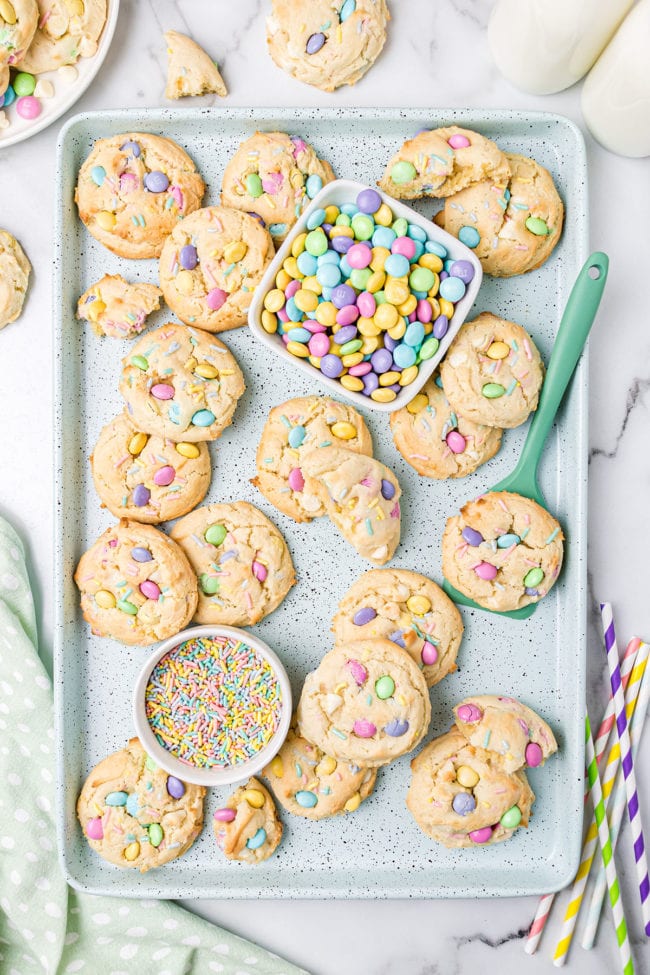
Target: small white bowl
<point x="210" y="776"/>
<point x="346" y="191"/>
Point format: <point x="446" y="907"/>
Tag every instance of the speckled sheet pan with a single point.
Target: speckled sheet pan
<point x="378" y="851"/>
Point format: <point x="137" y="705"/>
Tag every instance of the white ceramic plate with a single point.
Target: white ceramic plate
<point x="66" y="93"/>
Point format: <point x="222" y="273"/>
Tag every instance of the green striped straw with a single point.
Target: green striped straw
<point x="606" y="851"/>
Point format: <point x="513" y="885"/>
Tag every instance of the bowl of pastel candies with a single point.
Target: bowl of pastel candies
<point x="365" y="295"/>
<point x="212" y="705"/>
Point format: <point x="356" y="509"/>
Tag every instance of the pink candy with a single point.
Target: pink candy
<point x="469" y="713"/>
<point x="272" y="183"/>
<point x="424" y="311"/>
<point x="149" y="589"/>
<point x="358" y="671"/>
<point x="225" y="815"/>
<point x="458" y="141"/>
<point x="481" y="835"/>
<point x="296" y="480"/>
<point x="363" y="728"/>
<point x="28" y="107"/>
<point x="367" y="305"/>
<point x="402" y="245"/>
<point x="216" y="298"/>
<point x="485" y="570"/>
<point x="347" y="315"/>
<point x="313" y="327"/>
<point x="429" y="654"/>
<point x="360" y="256"/>
<point x="164" y="476"/>
<point x="456" y="442"/>
<point x="163" y="391"/>
<point x="534" y="754"/>
<point x="94" y="829"/>
<point x="259" y="571"/>
<point x="361" y="370"/>
<point x="319" y="345"/>
<point x="291" y="288"/>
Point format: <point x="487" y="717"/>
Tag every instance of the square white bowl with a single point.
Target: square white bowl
<point x="342" y="191"/>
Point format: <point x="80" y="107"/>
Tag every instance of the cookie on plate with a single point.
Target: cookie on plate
<point x="462" y="796"/>
<point x="240" y="559"/>
<point x="18" y="22"/>
<point x="116" y="308"/>
<point x="326" y="44"/>
<point x="492" y="373"/>
<point x="133" y="189"/>
<point x="136" y="815"/>
<point x="506" y="726"/>
<point x="408" y="609"/>
<point x="440" y="162"/>
<point x="145" y="478"/>
<point x="436" y="441"/>
<point x="65" y="33"/>
<point x="190" y="71"/>
<point x="211" y="264"/>
<point x="367" y="702"/>
<point x="14" y="278"/>
<point x="248" y="828"/>
<point x="293" y="429"/>
<point x="181" y="384"/>
<point x="136" y="585"/>
<point x="360" y="495"/>
<point x="314" y="785"/>
<point x="512" y="224"/>
<point x="504" y="551"/>
<point x="274" y="176"/>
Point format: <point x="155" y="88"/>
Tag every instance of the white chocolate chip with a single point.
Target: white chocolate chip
<point x="331" y="702"/>
<point x="68" y="73"/>
<point x="87" y="48"/>
<point x="4" y="121"/>
<point x="43" y="89"/>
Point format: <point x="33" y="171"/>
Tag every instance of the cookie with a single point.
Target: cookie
<point x="436" y="441"/>
<point x="181" y="384"/>
<point x="133" y="189"/>
<point x="367" y="703"/>
<point x="314" y="785"/>
<point x="441" y="162"/>
<point x="136" y="585"/>
<point x="360" y="495"/>
<point x="136" y="815"/>
<point x="274" y="176"/>
<point x="248" y="828"/>
<point x="409" y="610"/>
<point x="18" y="22"/>
<point x="14" y="278"/>
<point x="326" y="44"/>
<point x="145" y="478"/>
<point x="190" y="71"/>
<point x="240" y="559"/>
<point x="292" y="430"/>
<point x="211" y="264"/>
<point x="462" y="796"/>
<point x="116" y="308"/>
<point x="492" y="373"/>
<point x="506" y="726"/>
<point x="504" y="551"/>
<point x="66" y="31"/>
<point x="512" y="224"/>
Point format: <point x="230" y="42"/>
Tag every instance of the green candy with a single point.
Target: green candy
<point x="127" y="607"/>
<point x="150" y="764"/>
<point x="403" y="172"/>
<point x="316" y="243"/>
<point x="215" y="534"/>
<point x="140" y="362"/>
<point x="359" y="277"/>
<point x="422" y="279"/>
<point x="537" y="226"/>
<point x="380" y="298"/>
<point x="209" y="584"/>
<point x="493" y="390"/>
<point x="352" y="346"/>
<point x="400" y="227"/>
<point x="532" y="578"/>
<point x="384" y="687"/>
<point x="343" y="220"/>
<point x="24" y="84"/>
<point x="254" y="186"/>
<point x="511" y="818"/>
<point x="156" y="834"/>
<point x="363" y="226"/>
<point x="429" y="348"/>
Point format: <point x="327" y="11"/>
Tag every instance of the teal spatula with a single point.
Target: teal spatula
<point x="572" y="335"/>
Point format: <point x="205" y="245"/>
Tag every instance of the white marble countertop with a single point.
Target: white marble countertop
<point x="436" y="55"/>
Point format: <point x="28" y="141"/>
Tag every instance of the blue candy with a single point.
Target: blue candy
<point x="452" y="289"/>
<point x="313" y="185"/>
<point x="397" y="265"/>
<point x="404" y="356"/>
<point x="307" y="264"/>
<point x="414" y="334"/>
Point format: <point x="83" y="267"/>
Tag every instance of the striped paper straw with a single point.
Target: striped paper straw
<point x="602" y="737"/>
<point x="618" y="809"/>
<point x="591" y="836"/>
<point x="628" y="764"/>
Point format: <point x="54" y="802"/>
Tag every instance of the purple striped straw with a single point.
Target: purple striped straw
<point x="626" y="762"/>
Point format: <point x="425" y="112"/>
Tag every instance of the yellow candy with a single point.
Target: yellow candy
<point x="379" y="257"/>
<point x="408" y="307"/>
<point x="352" y="359"/>
<point x="435" y="307"/>
<point x="282" y="279"/>
<point x="370" y="345"/>
<point x="7" y="12"/>
<point x="291" y="267"/>
<point x="353" y="803"/>
<point x="254" y="798"/>
<point x="331" y="213"/>
<point x="398" y="331"/>
<point x="386" y="316"/>
<point x="298" y="349"/>
<point x="312" y="284"/>
<point x="188" y="450"/>
<point x="326" y="314"/>
<point x="206" y="371"/>
<point x="383" y="395"/>
<point x="418" y="403"/>
<point x="105" y="599"/>
<point x="375" y="282"/>
<point x="191" y="364"/>
<point x="384" y="215"/>
<point x="298" y="245"/>
<point x="428" y="328"/>
<point x="76" y="8"/>
<point x="433" y="290"/>
<point x="341" y="231"/>
<point x="344" y="430"/>
<point x="95" y="309"/>
<point x="183" y="282"/>
<point x="396" y="291"/>
<point x="235" y="252"/>
<point x="408" y="375"/>
<point x="326" y="766"/>
<point x="277" y="767"/>
<point x="446" y="307"/>
<point x="432" y="261"/>
<point x="137" y="443"/>
<point x="106" y="219"/>
<point x="269" y="322"/>
<point x="306" y="300"/>
<point x="466" y="776"/>
<point x="274" y="300"/>
<point x="132" y="851"/>
<point x="498" y="350"/>
<point x="366" y="326"/>
<point x="418" y="605"/>
<point x="388" y="378"/>
<point x="352" y="383"/>
<point x="315" y="361"/>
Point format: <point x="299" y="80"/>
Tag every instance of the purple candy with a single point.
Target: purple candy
<point x="471" y="536"/>
<point x="343" y="294"/>
<point x="315" y="42"/>
<point x="139" y="554"/>
<point x="463" y="270"/>
<point x="443" y="275"/>
<point x="390" y="343"/>
<point x="331" y="366"/>
<point x="156" y="182"/>
<point x="188" y="257"/>
<point x="131" y="147"/>
<point x="531" y="592"/>
<point x="175" y="787"/>
<point x="398" y="638"/>
<point x="463" y="803"/>
<point x="256" y="216"/>
<point x="346" y="334"/>
<point x="387" y="490"/>
<point x="382" y="360"/>
<point x="342" y="244"/>
<point x="370" y="383"/>
<point x="141" y="496"/>
<point x="326" y="227"/>
<point x="395" y="387"/>
<point x="368" y="201"/>
<point x="364" y="615"/>
<point x="397" y="727"/>
<point x="440" y="326"/>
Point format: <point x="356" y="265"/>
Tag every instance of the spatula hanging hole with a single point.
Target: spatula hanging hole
<point x="594" y="272"/>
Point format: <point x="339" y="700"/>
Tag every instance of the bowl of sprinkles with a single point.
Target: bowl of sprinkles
<point x="212" y="705"/>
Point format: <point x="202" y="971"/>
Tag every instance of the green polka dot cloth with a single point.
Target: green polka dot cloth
<point x="45" y="926"/>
